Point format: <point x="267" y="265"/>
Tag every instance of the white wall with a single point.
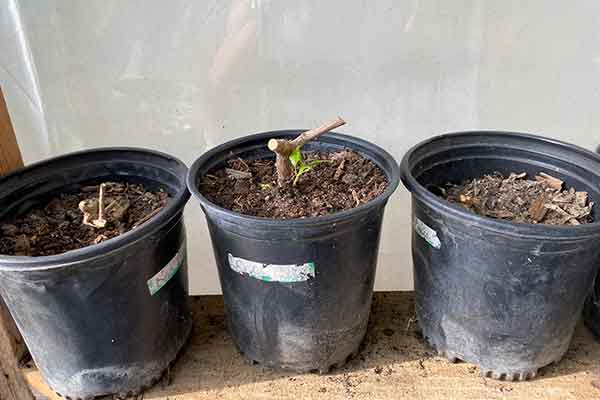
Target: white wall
<point x="184" y="76"/>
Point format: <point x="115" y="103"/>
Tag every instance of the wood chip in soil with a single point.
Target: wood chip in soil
<point x="344" y="181"/>
<point x="70" y="221"/>
<point x="542" y="200"/>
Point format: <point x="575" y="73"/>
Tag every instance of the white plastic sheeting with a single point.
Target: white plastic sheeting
<point x="184" y="76"/>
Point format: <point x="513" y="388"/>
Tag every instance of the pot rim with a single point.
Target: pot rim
<point x="392" y="174"/>
<point x="43" y="263"/>
<point x="498" y="225"/>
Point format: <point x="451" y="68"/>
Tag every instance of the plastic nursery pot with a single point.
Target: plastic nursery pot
<point x="297" y="292"/>
<point x="505" y="296"/>
<point x="591" y="310"/>
<point x="88" y="316"/>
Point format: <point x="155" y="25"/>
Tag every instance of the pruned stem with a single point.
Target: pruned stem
<point x="284" y="169"/>
<point x="283" y="148"/>
<point x="100" y="222"/>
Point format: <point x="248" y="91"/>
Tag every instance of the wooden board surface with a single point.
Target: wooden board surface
<point x="394" y="364"/>
<point x="12" y="347"/>
<point x="10" y="156"/>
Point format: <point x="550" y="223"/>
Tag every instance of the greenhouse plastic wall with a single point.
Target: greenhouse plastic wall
<point x="185" y="76"/>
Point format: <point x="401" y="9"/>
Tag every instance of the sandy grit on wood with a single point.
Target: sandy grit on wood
<point x="394" y="363"/>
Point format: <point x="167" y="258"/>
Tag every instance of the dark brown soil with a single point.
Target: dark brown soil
<point x="543" y="200"/>
<point x="62" y="225"/>
<point x="344" y="181"/>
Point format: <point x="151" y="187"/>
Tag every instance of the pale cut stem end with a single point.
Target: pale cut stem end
<point x="101" y="203"/>
<point x="273" y="145"/>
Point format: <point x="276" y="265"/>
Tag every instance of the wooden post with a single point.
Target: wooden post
<point x="12" y="383"/>
<point x="10" y="155"/>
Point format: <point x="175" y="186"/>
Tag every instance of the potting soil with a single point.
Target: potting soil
<point x="542" y="200"/>
<point x="341" y="181"/>
<point x="71" y="221"/>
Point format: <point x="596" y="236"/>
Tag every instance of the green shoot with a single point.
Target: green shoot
<point x="299" y="166"/>
<point x="264" y="186"/>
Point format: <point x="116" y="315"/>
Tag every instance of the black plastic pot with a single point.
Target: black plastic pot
<point x="297" y="292"/>
<point x="88" y="316"/>
<point x="502" y="295"/>
<point x="591" y="311"/>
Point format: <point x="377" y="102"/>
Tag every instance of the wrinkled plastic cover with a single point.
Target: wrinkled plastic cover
<point x="185" y="76"/>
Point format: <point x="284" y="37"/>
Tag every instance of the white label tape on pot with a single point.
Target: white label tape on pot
<point x="287" y="273"/>
<point x="427" y="233"/>
<point x="163" y="276"/>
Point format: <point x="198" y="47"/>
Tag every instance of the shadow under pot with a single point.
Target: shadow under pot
<point x="108" y="318"/>
<point x="505" y="296"/>
<point x="297" y="291"/>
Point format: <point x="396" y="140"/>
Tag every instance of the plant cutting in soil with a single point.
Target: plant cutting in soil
<point x="543" y="200"/>
<point x="76" y="220"/>
<point x="296" y="184"/>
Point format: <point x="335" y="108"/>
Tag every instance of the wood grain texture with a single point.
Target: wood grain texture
<point x="10" y="155"/>
<point x="12" y="348"/>
<point x="38" y="386"/>
<point x="16" y="345"/>
<point x="12" y="383"/>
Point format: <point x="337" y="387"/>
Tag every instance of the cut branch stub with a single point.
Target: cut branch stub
<point x="100" y="222"/>
<point x="283" y="148"/>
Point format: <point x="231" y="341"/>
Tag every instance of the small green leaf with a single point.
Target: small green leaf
<point x="301" y="171"/>
<point x="300" y="168"/>
<point x="264" y="186"/>
<point x="296" y="157"/>
<point x="304" y="169"/>
<point x="314" y="163"/>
